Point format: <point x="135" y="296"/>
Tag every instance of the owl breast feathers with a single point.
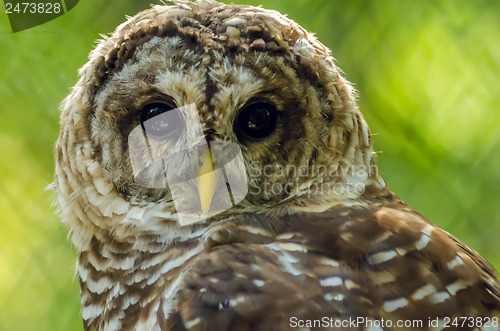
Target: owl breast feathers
<point x="182" y="104"/>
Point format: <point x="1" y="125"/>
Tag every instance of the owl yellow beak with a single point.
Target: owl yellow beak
<point x="207" y="180"/>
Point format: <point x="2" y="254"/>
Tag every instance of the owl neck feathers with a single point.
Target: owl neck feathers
<point x="347" y="151"/>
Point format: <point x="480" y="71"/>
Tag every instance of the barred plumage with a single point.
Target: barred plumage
<point x="336" y="243"/>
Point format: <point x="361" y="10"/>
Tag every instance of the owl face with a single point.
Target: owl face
<point x="255" y="100"/>
<point x="252" y="78"/>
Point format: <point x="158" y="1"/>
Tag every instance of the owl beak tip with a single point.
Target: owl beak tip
<point x="207" y="181"/>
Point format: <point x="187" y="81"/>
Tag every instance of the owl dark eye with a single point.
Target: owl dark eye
<point x="159" y="121"/>
<point x="256" y="121"/>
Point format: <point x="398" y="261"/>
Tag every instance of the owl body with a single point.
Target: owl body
<point x="318" y="235"/>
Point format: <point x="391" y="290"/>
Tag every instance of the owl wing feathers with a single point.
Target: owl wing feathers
<point x="374" y="261"/>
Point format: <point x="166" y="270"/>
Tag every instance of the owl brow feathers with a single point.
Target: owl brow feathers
<point x="237" y="34"/>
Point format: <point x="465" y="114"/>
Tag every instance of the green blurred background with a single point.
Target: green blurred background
<point x="427" y="73"/>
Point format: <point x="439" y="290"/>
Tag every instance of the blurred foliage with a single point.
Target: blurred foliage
<point x="427" y="74"/>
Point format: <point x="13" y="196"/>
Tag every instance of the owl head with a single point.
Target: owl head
<point x="207" y="83"/>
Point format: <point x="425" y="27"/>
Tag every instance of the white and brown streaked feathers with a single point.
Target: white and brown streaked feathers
<point x="382" y="261"/>
<point x="378" y="261"/>
<point x="349" y="253"/>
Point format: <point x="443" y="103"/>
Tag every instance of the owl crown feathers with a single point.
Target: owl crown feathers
<point x="209" y="25"/>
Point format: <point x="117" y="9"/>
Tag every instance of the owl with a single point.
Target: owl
<point x="215" y="173"/>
